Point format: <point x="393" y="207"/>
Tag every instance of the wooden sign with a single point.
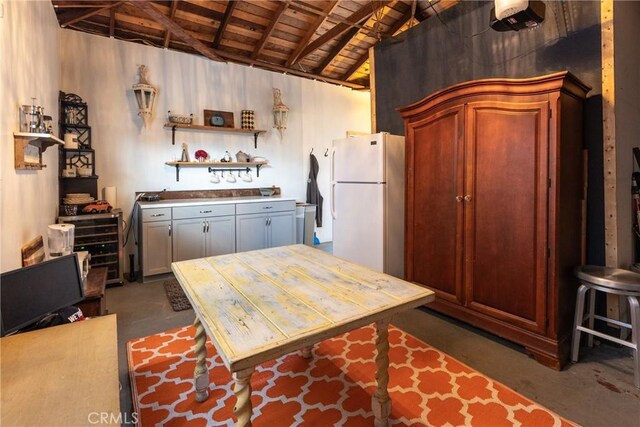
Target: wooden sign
<point x="32" y="252"/>
<point x="218" y="118"/>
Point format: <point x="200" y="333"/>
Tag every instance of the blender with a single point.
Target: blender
<point x="60" y="239"/>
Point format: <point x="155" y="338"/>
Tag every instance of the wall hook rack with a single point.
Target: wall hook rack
<point x="219" y="166"/>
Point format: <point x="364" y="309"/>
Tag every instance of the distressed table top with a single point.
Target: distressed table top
<point x="260" y="305"/>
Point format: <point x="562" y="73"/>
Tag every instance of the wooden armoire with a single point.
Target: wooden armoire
<point x="495" y="184"/>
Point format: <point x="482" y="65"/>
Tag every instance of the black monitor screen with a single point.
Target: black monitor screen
<point x="30" y="293"/>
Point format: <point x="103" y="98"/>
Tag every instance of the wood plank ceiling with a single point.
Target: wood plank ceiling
<point x="328" y="40"/>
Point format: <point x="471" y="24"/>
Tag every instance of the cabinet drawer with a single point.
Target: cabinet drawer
<point x="265" y="207"/>
<point x="159" y="214"/>
<point x="203" y="210"/>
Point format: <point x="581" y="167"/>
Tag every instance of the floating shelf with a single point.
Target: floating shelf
<point x="32" y="145"/>
<point x="174" y="126"/>
<point x="237" y="165"/>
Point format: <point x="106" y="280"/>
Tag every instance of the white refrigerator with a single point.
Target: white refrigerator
<point x="367" y="201"/>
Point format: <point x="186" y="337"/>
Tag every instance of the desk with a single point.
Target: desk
<point x="94" y="302"/>
<point x="260" y="305"/>
<point x="61" y="376"/>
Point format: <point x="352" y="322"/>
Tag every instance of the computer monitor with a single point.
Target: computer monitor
<point x="28" y="294"/>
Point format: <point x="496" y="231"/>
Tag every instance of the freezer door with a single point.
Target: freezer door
<point x="358" y="226"/>
<point x="359" y="159"/>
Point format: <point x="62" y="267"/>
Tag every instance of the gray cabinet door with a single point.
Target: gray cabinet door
<point x="251" y="232"/>
<point x="282" y="229"/>
<point x="188" y="238"/>
<point x="156" y="249"/>
<point x="221" y="235"/>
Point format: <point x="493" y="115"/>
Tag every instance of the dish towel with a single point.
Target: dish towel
<point x="313" y="193"/>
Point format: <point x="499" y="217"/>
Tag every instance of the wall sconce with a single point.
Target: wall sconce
<point x="145" y="95"/>
<point x="280" y="112"/>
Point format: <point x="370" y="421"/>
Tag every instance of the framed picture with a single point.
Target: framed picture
<point x="47" y="124"/>
<point x="218" y="118"/>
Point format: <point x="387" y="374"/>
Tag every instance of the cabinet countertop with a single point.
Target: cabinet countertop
<point x="171" y="203"/>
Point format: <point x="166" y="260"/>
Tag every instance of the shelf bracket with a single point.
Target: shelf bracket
<point x="258" y="170"/>
<point x="177" y="173"/>
<point x="255" y="141"/>
<point x="173" y="135"/>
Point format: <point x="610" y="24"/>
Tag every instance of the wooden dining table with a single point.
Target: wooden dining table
<point x="260" y="305"/>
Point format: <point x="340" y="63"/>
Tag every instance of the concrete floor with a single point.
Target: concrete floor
<point x="597" y="391"/>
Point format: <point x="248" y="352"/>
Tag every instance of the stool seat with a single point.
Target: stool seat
<point x="614" y="281"/>
<point x="614" y="278"/>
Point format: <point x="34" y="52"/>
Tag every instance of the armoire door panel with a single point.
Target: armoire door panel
<point x="505" y="217"/>
<point x="436" y="218"/>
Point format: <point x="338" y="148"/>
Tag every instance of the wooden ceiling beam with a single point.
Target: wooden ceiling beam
<point x="335" y="32"/>
<point x="344" y="41"/>
<point x="408" y="15"/>
<point x="112" y="22"/>
<point x="231" y="5"/>
<point x="332" y="17"/>
<point x="177" y="30"/>
<point x="272" y="25"/>
<point x="71" y="17"/>
<point x="172" y="16"/>
<point x="312" y="30"/>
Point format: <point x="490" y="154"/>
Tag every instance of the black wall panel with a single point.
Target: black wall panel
<point x="458" y="45"/>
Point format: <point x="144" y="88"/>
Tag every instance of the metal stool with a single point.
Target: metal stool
<point x="611" y="281"/>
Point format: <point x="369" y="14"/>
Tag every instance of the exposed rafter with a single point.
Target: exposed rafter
<point x="112" y="22"/>
<point x="74" y="16"/>
<point x="231" y="5"/>
<point x="177" y="30"/>
<point x="408" y="15"/>
<point x="344" y="41"/>
<point x="364" y="12"/>
<point x="172" y="16"/>
<point x="312" y="30"/>
<point x="272" y="25"/>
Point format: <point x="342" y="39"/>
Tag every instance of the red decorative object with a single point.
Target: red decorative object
<point x="201" y="155"/>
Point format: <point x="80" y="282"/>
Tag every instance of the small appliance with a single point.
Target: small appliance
<point x="60" y="239"/>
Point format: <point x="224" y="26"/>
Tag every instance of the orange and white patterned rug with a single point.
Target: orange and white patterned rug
<point x="332" y="388"/>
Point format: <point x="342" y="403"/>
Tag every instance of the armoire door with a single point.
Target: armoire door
<point x="505" y="205"/>
<point x="434" y="215"/>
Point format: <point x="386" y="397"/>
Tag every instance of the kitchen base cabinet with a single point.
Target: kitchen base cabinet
<point x="201" y="237"/>
<point x="156" y="254"/>
<point x="265" y="225"/>
<point x="154" y="250"/>
<point x="493" y="209"/>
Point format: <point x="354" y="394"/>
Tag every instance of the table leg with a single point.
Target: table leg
<point x="201" y="373"/>
<point x="242" y="390"/>
<point x="306" y="352"/>
<point x="380" y="401"/>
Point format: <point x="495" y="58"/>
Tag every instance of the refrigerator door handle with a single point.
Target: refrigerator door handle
<point x="332" y="160"/>
<point x="332" y="200"/>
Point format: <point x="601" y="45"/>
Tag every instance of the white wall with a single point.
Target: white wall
<point x="29" y="39"/>
<point x="132" y="157"/>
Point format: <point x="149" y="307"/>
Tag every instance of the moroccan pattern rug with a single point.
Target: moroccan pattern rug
<point x="176" y="296"/>
<point x="333" y="387"/>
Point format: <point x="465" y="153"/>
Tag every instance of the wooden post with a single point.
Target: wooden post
<point x="372" y="90"/>
<point x="609" y="148"/>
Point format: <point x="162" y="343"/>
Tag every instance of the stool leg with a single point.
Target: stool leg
<point x="575" y="346"/>
<point x="592" y="312"/>
<point x="635" y="336"/>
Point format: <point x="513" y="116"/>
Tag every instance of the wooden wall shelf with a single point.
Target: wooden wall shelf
<point x="32" y="145"/>
<point x="174" y="126"/>
<point x="236" y="165"/>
